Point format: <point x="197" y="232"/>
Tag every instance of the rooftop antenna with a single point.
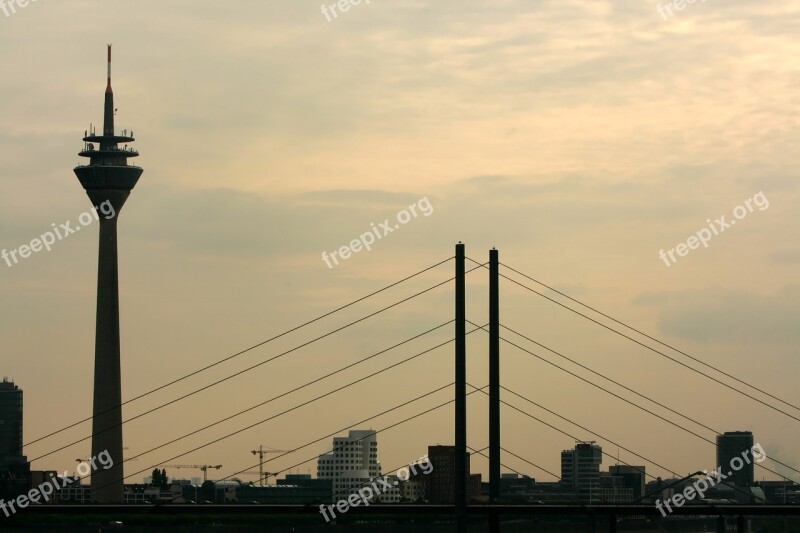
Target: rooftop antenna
<point x="108" y="83"/>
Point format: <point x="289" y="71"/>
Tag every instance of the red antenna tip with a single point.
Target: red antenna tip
<point x="108" y="84"/>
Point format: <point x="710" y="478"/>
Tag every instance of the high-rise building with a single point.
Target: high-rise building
<point x="10" y="425"/>
<point x="730" y="445"/>
<point x="108" y="180"/>
<point x="580" y="470"/>
<point x="14" y="467"/>
<point x="440" y="483"/>
<point x="352" y="464"/>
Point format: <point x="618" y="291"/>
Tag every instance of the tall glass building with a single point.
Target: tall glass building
<point x="730" y="445"/>
<point x="10" y="426"/>
<point x="14" y="468"/>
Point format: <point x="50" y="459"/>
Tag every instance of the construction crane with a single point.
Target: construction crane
<point x="204" y="468"/>
<point x="261" y="452"/>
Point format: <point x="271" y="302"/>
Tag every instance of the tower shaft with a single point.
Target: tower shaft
<point x="108" y="485"/>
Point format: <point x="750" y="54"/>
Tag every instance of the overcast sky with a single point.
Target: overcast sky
<point x="578" y="137"/>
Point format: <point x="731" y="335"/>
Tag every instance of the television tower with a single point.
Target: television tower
<point x="107" y="178"/>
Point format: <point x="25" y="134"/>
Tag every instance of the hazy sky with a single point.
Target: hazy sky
<point x="578" y="137"/>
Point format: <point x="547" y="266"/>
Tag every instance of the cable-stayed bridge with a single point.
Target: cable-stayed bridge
<point x="500" y="397"/>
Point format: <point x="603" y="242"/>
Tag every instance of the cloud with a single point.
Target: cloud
<point x="730" y="316"/>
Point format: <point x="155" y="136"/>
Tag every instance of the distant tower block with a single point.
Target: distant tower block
<point x="107" y="178"/>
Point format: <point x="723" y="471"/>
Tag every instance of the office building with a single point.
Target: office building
<point x="580" y="471"/>
<point x="14" y="467"/>
<point x="731" y="446"/>
<point x="440" y="483"/>
<point x="352" y="464"/>
<point x="633" y="478"/>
